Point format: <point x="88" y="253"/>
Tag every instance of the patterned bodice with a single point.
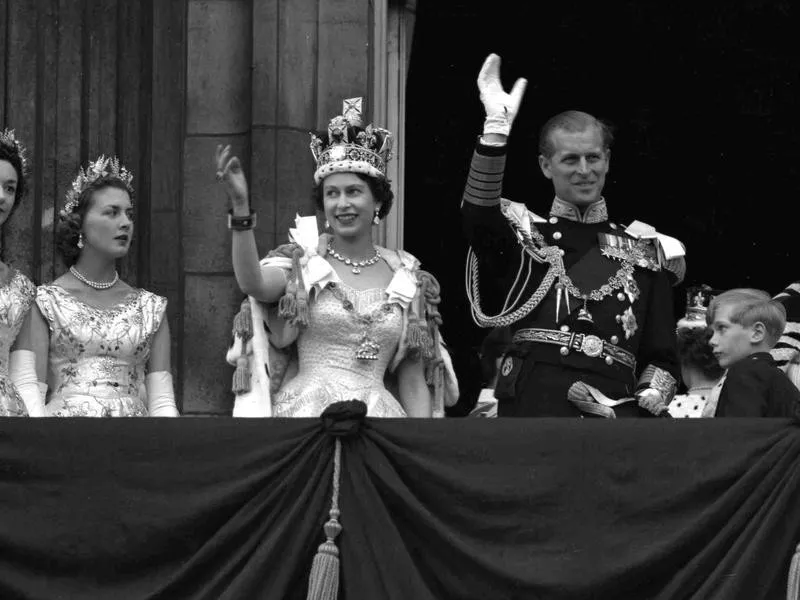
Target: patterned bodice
<point x="335" y="334"/>
<point x="16" y="298"/>
<point x="98" y="356"/>
<point x="343" y="324"/>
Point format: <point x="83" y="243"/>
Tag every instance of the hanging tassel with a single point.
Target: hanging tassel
<point x="432" y="369"/>
<point x="243" y="322"/>
<point x="242" y="334"/>
<point x="301" y="311"/>
<point x="287" y="305"/>
<point x="302" y="308"/>
<point x="431" y="352"/>
<point x="241" y="376"/>
<point x="427" y="344"/>
<point x="414" y="332"/>
<point x="323" y="582"/>
<point x="793" y="589"/>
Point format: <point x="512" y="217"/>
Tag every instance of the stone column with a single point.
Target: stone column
<point x="218" y="96"/>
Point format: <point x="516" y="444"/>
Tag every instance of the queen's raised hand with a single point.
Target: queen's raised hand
<point x="231" y="175"/>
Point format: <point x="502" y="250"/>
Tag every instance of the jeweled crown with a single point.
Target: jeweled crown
<point x="104" y="166"/>
<point x="698" y="298"/>
<point x="368" y="153"/>
<point x="10" y="141"/>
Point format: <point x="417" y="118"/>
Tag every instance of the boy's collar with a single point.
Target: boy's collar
<point x="761" y="355"/>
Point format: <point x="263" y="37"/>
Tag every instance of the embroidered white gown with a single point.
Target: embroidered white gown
<point x="329" y="369"/>
<point x="98" y="357"/>
<point x="16" y="298"/>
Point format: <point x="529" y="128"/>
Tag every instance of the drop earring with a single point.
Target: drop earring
<point x="80" y="241"/>
<point x="327" y="225"/>
<point x="376" y="219"/>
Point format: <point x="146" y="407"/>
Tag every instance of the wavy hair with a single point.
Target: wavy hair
<point x="68" y="229"/>
<point x="10" y="155"/>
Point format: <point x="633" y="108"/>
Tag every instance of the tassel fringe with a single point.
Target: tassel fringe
<point x="301" y="316"/>
<point x="323" y="582"/>
<point x="293" y="305"/>
<point x="242" y="334"/>
<point x="414" y="333"/>
<point x="287" y="305"/>
<point x="243" y="322"/>
<point x="241" y="376"/>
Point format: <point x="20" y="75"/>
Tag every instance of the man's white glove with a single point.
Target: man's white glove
<point x="501" y="108"/>
<point x="652" y="400"/>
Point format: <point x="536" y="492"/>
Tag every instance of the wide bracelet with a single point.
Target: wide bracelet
<point x="241" y="223"/>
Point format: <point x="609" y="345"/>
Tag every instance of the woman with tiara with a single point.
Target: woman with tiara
<point x="16" y="291"/>
<point x="101" y="347"/>
<point x="334" y="317"/>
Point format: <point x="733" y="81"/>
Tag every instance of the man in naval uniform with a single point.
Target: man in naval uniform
<point x="589" y="302"/>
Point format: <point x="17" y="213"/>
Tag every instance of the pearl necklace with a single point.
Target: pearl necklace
<point x="98" y="285"/>
<point x="356" y="264"/>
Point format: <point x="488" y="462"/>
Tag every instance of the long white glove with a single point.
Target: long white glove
<point x="22" y="371"/>
<point x="160" y="395"/>
<point x="501" y="107"/>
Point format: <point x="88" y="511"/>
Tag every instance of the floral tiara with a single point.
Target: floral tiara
<point x="104" y="166"/>
<point x="10" y="141"/>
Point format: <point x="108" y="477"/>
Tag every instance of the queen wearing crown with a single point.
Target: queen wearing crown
<point x="334" y="317"/>
<point x="98" y="347"/>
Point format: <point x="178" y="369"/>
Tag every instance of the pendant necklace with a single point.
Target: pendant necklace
<point x="368" y="348"/>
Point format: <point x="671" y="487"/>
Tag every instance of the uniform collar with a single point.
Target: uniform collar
<point x="594" y="213"/>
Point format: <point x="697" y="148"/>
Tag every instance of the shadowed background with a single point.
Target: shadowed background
<point x="703" y="98"/>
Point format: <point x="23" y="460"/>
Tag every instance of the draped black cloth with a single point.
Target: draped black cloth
<point x="431" y="509"/>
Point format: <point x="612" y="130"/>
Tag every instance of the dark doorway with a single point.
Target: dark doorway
<point x="704" y="99"/>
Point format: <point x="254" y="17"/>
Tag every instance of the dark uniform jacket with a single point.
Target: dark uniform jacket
<point x="629" y="298"/>
<point x="756" y="387"/>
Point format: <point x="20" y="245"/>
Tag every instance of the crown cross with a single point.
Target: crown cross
<point x="368" y="153"/>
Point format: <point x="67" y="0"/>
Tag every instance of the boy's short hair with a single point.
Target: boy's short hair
<point x="752" y="306"/>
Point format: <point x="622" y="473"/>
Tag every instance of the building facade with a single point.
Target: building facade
<point x="160" y="84"/>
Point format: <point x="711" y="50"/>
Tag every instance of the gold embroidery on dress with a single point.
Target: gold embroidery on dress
<point x="329" y="369"/>
<point x="98" y="356"/>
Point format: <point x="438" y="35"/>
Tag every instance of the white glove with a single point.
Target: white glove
<point x="22" y="371"/>
<point x="160" y="397"/>
<point x="501" y="108"/>
<point x="651" y="400"/>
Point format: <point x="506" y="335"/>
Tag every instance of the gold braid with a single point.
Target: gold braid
<point x="537" y="249"/>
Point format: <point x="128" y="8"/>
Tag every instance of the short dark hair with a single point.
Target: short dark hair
<point x="695" y="351"/>
<point x="572" y="121"/>
<point x="381" y="190"/>
<point x="68" y="229"/>
<point x="12" y="156"/>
